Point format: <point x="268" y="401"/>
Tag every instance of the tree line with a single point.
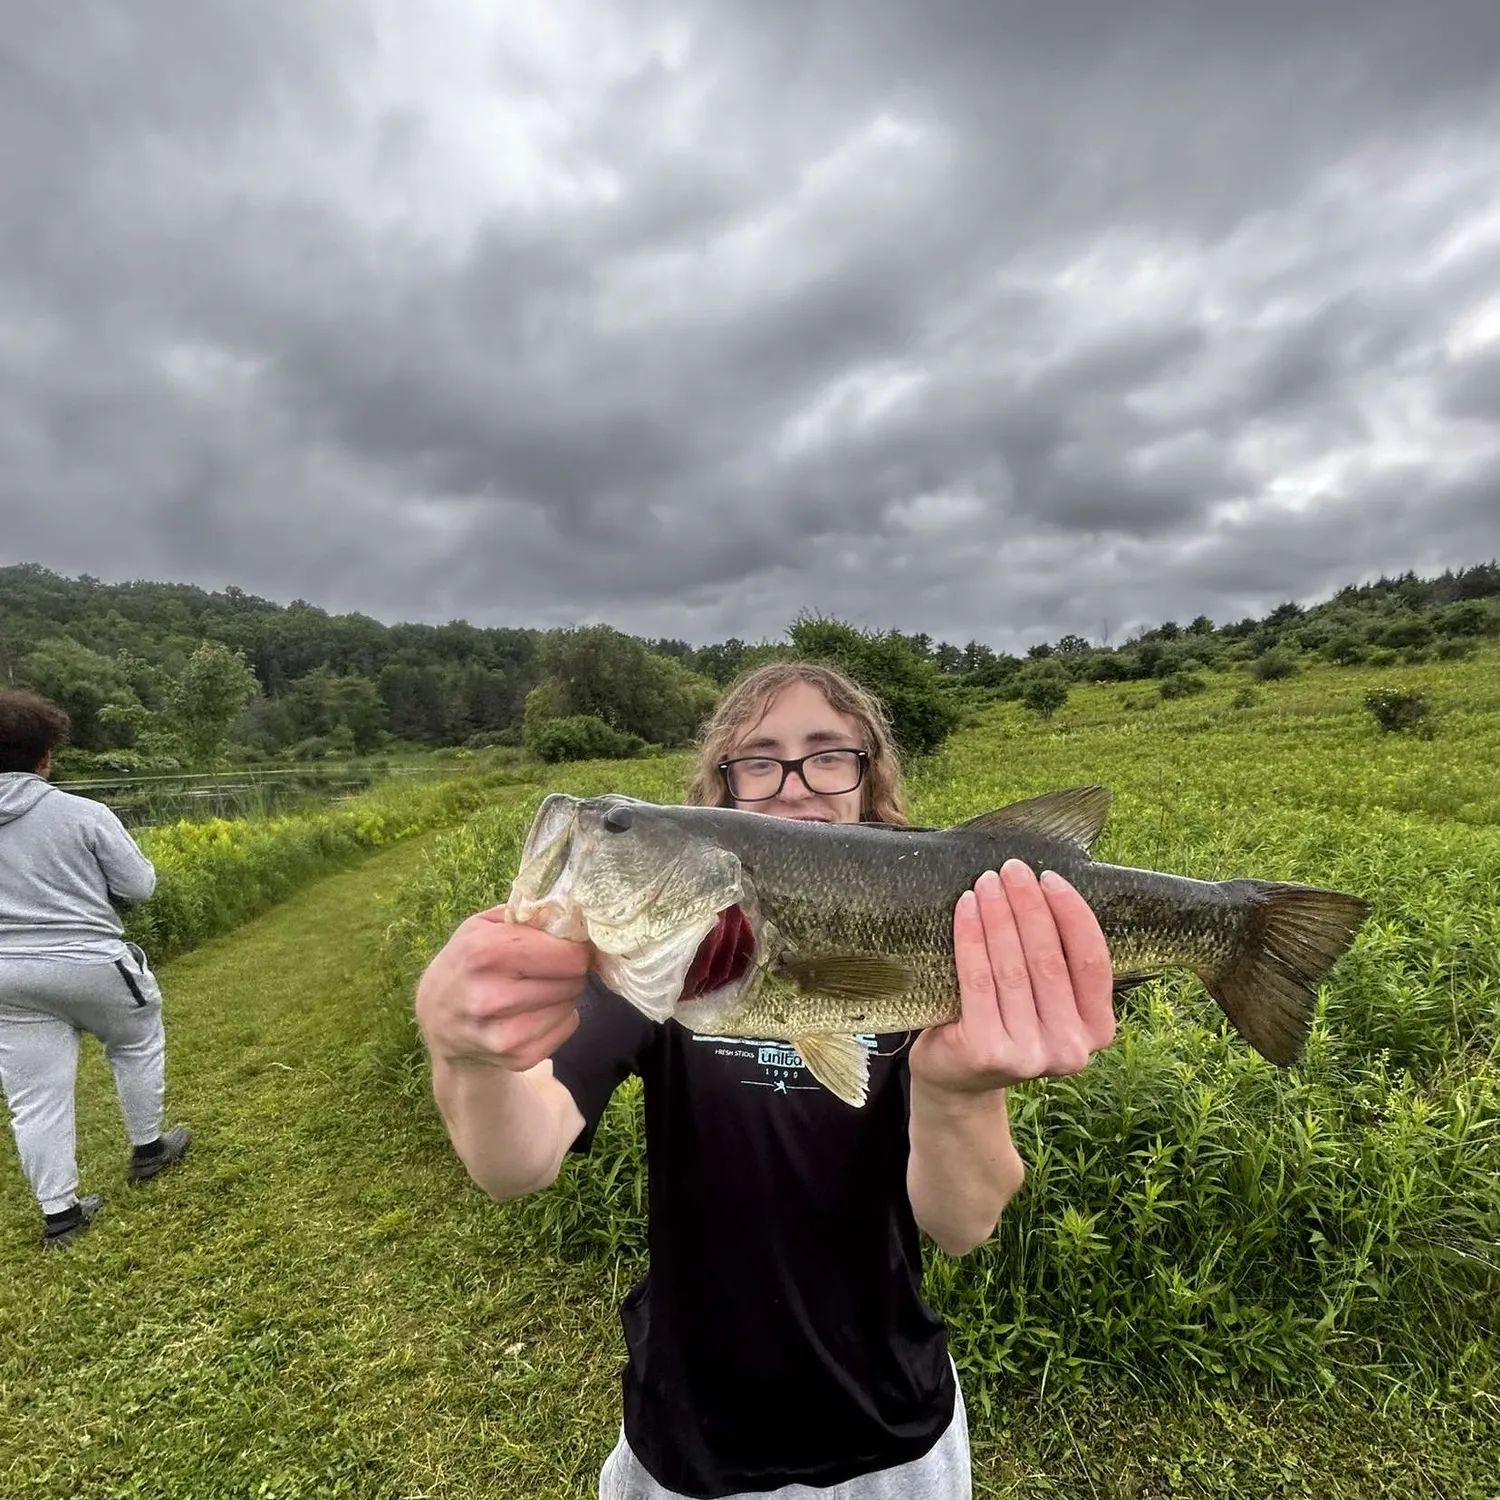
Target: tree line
<point x="157" y="675"/>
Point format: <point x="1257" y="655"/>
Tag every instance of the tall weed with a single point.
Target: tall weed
<point x="213" y="875"/>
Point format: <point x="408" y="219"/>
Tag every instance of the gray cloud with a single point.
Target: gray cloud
<point x="993" y="321"/>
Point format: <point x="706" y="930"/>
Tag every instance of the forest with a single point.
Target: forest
<point x="166" y="676"/>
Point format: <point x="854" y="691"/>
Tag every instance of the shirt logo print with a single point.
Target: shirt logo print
<point x="781" y="1065"/>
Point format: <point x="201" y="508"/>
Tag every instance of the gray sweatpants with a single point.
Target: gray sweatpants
<point x="944" y="1472"/>
<point x="44" y="1007"/>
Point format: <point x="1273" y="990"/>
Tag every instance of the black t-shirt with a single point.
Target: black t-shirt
<point x="780" y="1335"/>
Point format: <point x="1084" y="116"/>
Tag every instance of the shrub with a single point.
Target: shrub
<point x="1345" y="649"/>
<point x="581" y="737"/>
<point x="1397" y="712"/>
<point x="1044" y="687"/>
<point x="1110" y="666"/>
<point x="1182" y="685"/>
<point x="1276" y="663"/>
<point x="1470" y="618"/>
<point x="1405" y="630"/>
<point x="314" y="747"/>
<point x="77" y="765"/>
<point x="1245" y="697"/>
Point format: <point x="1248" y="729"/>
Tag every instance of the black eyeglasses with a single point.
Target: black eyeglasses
<point x="758" y="778"/>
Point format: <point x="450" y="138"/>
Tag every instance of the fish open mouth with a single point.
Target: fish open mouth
<point x="722" y="957"/>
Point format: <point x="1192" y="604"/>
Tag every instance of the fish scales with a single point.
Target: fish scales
<point x="854" y="898"/>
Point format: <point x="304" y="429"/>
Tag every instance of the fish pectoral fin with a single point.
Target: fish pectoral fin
<point x="1076" y="814"/>
<point x="1125" y="983"/>
<point x="855" y="977"/>
<point x="840" y="1063"/>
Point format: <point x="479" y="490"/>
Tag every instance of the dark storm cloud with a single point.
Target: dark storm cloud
<point x="988" y="320"/>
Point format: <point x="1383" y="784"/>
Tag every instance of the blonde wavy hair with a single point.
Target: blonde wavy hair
<point x="748" y="699"/>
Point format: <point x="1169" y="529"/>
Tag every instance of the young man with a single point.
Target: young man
<point x="779" y="1344"/>
<point x="66" y="969"/>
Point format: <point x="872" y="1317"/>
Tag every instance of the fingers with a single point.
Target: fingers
<point x="973" y="957"/>
<point x="1065" y="1044"/>
<point x="501" y="993"/>
<point x="505" y="997"/>
<point x="520" y="952"/>
<point x="550" y="1040"/>
<point x="1049" y="983"/>
<point x="1090" y="971"/>
<point x="1010" y="978"/>
<point x="520" y="1040"/>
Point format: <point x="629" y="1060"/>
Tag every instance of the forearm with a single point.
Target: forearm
<point x="510" y="1130"/>
<point x="128" y="874"/>
<point x="964" y="1167"/>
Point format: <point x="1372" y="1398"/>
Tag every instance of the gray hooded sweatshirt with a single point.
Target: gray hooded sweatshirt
<point x="62" y="859"/>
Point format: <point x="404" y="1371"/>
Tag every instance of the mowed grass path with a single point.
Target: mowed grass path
<point x="320" y="1304"/>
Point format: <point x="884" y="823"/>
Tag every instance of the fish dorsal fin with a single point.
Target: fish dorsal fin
<point x="1076" y="815"/>
<point x="857" y="977"/>
<point x="840" y="1063"/>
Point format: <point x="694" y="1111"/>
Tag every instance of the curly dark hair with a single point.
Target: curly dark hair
<point x="31" y="728"/>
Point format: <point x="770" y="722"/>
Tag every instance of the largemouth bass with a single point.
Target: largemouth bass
<point x="737" y="923"/>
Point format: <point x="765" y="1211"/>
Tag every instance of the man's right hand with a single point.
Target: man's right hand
<point x="494" y="1004"/>
<point x="500" y="994"/>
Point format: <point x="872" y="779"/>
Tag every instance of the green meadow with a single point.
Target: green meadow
<point x="1219" y="1279"/>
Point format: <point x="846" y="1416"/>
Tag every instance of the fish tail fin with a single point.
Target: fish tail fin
<point x="1294" y="934"/>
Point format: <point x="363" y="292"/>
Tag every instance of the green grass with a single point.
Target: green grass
<point x="320" y="1304"/>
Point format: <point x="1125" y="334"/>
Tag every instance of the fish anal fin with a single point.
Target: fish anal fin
<point x="1076" y="815"/>
<point x="839" y="1062"/>
<point x="864" y="976"/>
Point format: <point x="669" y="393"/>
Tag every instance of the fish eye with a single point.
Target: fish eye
<point x="618" y="819"/>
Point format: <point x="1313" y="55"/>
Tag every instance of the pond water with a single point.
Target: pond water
<point x="141" y="801"/>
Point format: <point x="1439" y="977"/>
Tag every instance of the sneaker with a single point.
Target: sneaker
<point x="65" y="1227"/>
<point x="171" y="1146"/>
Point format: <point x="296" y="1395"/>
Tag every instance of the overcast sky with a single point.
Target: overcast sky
<point x="994" y="320"/>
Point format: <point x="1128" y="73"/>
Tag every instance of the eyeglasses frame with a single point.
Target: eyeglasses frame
<point x="862" y="758"/>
